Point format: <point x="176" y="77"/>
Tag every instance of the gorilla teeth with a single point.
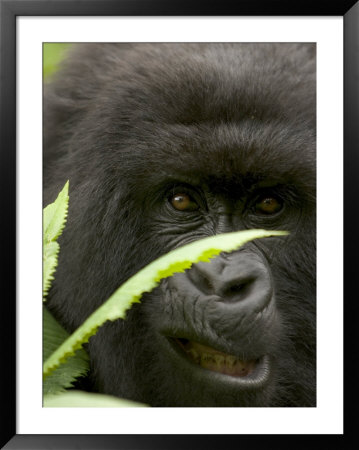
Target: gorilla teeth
<point x="194" y="356"/>
<point x="217" y="361"/>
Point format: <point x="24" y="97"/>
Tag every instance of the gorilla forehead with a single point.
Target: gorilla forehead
<point x="229" y="111"/>
<point x="214" y="82"/>
<point x="221" y="121"/>
<point x="221" y="154"/>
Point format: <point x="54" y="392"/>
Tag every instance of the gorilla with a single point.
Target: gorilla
<point x="165" y="144"/>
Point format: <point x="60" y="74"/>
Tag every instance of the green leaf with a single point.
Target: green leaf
<point x="53" y="53"/>
<point x="50" y="254"/>
<point x="76" y="366"/>
<point x="146" y="279"/>
<point x="54" y="219"/>
<point x="82" y="399"/>
<point x="55" y="215"/>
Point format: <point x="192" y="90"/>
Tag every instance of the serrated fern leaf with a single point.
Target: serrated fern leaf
<point x="76" y="366"/>
<point x="146" y="279"/>
<point x="55" y="214"/>
<point x="82" y="399"/>
<point x="50" y="254"/>
<point x="54" y="219"/>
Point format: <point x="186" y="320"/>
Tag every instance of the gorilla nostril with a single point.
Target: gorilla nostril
<point x="236" y="291"/>
<point x="207" y="285"/>
<point x="202" y="280"/>
<point x="244" y="279"/>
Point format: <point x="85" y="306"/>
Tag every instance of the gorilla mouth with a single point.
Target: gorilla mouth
<point x="214" y="360"/>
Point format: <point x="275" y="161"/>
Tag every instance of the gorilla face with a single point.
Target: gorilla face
<point x="169" y="143"/>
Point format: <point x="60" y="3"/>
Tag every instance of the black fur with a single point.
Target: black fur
<point x="132" y="125"/>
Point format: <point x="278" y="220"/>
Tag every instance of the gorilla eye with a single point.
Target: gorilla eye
<point x="268" y="205"/>
<point x="183" y="202"/>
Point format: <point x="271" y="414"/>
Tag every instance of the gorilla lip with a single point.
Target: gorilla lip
<point x="216" y="361"/>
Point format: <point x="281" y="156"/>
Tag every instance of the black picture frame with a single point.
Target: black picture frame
<point x="9" y="10"/>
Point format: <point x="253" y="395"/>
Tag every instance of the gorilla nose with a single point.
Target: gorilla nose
<point x="237" y="277"/>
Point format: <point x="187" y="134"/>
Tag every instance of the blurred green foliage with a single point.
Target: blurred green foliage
<point x="52" y="55"/>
